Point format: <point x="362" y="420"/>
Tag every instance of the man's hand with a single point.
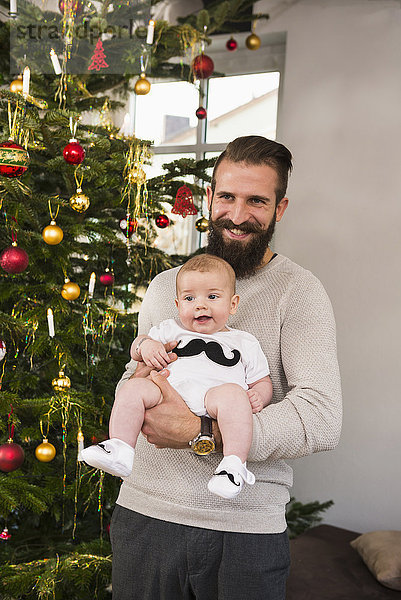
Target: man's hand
<point x="170" y="424"/>
<point x="256" y="400"/>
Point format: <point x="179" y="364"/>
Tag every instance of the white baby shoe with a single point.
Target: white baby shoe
<point x="229" y="477"/>
<point x="113" y="456"/>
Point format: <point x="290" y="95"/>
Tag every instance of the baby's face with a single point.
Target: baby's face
<point x="205" y="301"/>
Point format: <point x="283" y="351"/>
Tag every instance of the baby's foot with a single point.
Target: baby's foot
<point x="113" y="456"/>
<point x="229" y="477"/>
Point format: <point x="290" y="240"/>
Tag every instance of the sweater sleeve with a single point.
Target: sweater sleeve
<point x="308" y="418"/>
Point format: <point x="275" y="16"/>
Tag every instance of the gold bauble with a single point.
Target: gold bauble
<point x="61" y="383"/>
<point x="70" y="290"/>
<point x="202" y="225"/>
<point x="16" y="85"/>
<point x="253" y="41"/>
<point x="45" y="452"/>
<point x="137" y="175"/>
<point x="142" y="86"/>
<point x="79" y="201"/>
<point x="52" y="234"/>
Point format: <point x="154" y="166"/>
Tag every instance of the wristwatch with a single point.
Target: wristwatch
<point x="203" y="443"/>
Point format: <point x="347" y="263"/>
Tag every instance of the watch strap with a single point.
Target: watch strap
<point x="206" y="426"/>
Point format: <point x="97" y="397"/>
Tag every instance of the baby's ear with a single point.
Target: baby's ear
<point x="176" y="302"/>
<point x="234" y="304"/>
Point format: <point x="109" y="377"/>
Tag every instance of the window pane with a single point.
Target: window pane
<point x="177" y="238"/>
<point x="167" y="113"/>
<point x="242" y="105"/>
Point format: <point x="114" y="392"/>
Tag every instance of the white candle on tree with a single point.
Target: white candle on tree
<point x="50" y="322"/>
<point x="92" y="281"/>
<point x="25" y="81"/>
<point x="13" y="7"/>
<point x="55" y="62"/>
<point x="151" y="32"/>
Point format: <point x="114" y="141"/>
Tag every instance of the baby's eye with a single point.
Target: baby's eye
<point x="189" y="298"/>
<point x="213" y="296"/>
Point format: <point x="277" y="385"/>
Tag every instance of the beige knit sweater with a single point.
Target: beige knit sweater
<point x="286" y="308"/>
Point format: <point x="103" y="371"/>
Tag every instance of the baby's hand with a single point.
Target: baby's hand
<point x="154" y="354"/>
<point x="255" y="400"/>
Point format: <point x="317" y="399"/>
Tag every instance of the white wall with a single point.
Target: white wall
<point x="341" y="118"/>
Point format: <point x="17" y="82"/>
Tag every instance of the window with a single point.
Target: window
<point x="243" y="102"/>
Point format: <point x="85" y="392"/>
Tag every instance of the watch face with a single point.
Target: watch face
<point x="203" y="446"/>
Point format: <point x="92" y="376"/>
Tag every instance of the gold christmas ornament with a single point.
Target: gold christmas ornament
<point x="202" y="225"/>
<point x="16" y="85"/>
<point x="61" y="383"/>
<point x="79" y="201"/>
<point x="52" y="234"/>
<point x="70" y="290"/>
<point x="142" y="85"/>
<point x="45" y="452"/>
<point x="137" y="175"/>
<point x="253" y="42"/>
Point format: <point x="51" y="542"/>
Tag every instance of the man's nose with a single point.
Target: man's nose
<point x="239" y="213"/>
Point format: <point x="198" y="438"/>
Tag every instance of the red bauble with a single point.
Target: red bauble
<point x="76" y="6"/>
<point x="202" y="66"/>
<point x="11" y="457"/>
<point x="14" y="259"/>
<point x="107" y="278"/>
<point x="73" y="153"/>
<point x="162" y="221"/>
<point x="4" y="535"/>
<point x="132" y="226"/>
<point x="232" y="44"/>
<point x="14" y="159"/>
<point x="201" y="113"/>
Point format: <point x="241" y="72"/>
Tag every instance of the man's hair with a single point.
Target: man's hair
<point x="258" y="150"/>
<point x="206" y="263"/>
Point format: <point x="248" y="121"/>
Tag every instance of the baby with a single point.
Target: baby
<point x="220" y="372"/>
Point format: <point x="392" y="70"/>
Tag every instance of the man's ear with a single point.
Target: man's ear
<point x="234" y="304"/>
<point x="281" y="208"/>
<point x="209" y="194"/>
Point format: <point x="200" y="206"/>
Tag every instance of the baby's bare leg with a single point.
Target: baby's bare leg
<point x="229" y="405"/>
<point x="132" y="399"/>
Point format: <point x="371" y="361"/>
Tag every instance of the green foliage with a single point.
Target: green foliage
<point x="301" y="517"/>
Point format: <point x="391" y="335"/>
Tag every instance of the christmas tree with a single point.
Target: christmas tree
<point x="77" y="228"/>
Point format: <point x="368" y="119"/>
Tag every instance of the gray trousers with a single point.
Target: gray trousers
<point x="158" y="560"/>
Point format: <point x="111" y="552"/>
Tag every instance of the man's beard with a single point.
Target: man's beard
<point x="245" y="258"/>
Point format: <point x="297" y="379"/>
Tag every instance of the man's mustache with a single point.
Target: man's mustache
<point x="245" y="227"/>
<point x="213" y="350"/>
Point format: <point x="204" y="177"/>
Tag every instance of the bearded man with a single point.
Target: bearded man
<point x="172" y="540"/>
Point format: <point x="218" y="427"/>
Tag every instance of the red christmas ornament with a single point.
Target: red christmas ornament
<point x="75" y="6"/>
<point x="202" y="66"/>
<point x="201" y="113"/>
<point x="98" y="57"/>
<point x="14" y="159"/>
<point x="4" y="535"/>
<point x="232" y="44"/>
<point x="162" y="221"/>
<point x="184" y="202"/>
<point x="132" y="226"/>
<point x="73" y="152"/>
<point x="14" y="259"/>
<point x="11" y="456"/>
<point x="107" y="278"/>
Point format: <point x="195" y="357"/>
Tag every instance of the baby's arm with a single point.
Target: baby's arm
<point x="151" y="352"/>
<point x="260" y="393"/>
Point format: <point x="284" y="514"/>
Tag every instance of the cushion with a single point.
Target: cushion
<point x="381" y="552"/>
